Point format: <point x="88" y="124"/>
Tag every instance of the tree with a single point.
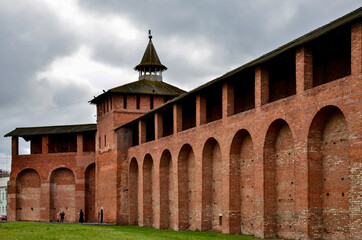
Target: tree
<point x="4" y="173"/>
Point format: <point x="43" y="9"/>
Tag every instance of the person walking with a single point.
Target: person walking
<point x="81" y="216"/>
<point x="62" y="214"/>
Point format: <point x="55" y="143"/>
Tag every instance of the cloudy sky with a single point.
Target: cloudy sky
<point x="57" y="55"/>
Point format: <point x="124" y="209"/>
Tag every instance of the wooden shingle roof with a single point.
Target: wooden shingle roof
<point x="150" y="60"/>
<point x="49" y="130"/>
<point x="143" y="87"/>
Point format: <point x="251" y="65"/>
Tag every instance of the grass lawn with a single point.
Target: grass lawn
<point x="30" y="230"/>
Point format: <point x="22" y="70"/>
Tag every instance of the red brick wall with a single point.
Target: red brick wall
<point x="106" y="185"/>
<point x="329" y="179"/>
<point x="166" y="180"/>
<point x="186" y="190"/>
<point x="28" y="195"/>
<point x="271" y="161"/>
<point x="47" y="181"/>
<point x="62" y="195"/>
<point x="106" y="146"/>
<point x="147" y="193"/>
<point x="279" y="173"/>
<point x="90" y="191"/>
<point x="212" y="170"/>
<point x="133" y="193"/>
<point x="247" y="179"/>
<point x="251" y="211"/>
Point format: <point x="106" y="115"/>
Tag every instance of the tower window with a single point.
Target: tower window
<point x="151" y="102"/>
<point x="125" y="101"/>
<point x="107" y="105"/>
<point x="138" y="101"/>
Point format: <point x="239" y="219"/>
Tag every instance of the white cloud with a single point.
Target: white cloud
<point x="195" y="51"/>
<point x="93" y="30"/>
<point x="90" y="25"/>
<point x="81" y="69"/>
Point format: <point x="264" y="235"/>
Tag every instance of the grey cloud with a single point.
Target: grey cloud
<point x="31" y="38"/>
<point x="237" y="31"/>
<point x="234" y="31"/>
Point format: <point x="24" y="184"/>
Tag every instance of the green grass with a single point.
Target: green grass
<point x="30" y="230"/>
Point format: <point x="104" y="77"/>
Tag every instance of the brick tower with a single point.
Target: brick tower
<point x="118" y="106"/>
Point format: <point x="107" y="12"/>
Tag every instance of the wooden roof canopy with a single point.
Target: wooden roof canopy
<point x="27" y="132"/>
<point x="150" y="60"/>
<point x="147" y="87"/>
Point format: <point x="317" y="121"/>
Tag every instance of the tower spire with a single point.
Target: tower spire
<point x="150" y="67"/>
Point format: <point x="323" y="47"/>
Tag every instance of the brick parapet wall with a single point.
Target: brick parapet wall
<point x="298" y="112"/>
<point x="45" y="165"/>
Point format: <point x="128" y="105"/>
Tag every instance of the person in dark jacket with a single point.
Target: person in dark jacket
<point x="62" y="214"/>
<point x="81" y="216"/>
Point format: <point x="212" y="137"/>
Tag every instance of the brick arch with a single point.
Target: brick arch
<point x="328" y="175"/>
<point x="27" y="168"/>
<point x="50" y="172"/>
<point x="62" y="194"/>
<point x="133" y="192"/>
<point x="28" y="187"/>
<point x="186" y="188"/>
<point x="148" y="199"/>
<point x="242" y="181"/>
<point x="279" y="179"/>
<point x="166" y="181"/>
<point x="212" y="170"/>
<point x="90" y="184"/>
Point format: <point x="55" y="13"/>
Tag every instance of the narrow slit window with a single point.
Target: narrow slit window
<point x="138" y="102"/>
<point x="151" y="102"/>
<point x="125" y="101"/>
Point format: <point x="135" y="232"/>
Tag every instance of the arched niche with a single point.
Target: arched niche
<point x="328" y="175"/>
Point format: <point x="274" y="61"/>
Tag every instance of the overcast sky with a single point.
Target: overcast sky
<point x="56" y="55"/>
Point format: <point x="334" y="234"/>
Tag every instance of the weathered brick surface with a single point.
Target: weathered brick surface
<point x="108" y="168"/>
<point x="43" y="184"/>
<point x="90" y="194"/>
<point x="62" y="194"/>
<point x="28" y="187"/>
<point x="290" y="168"/>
